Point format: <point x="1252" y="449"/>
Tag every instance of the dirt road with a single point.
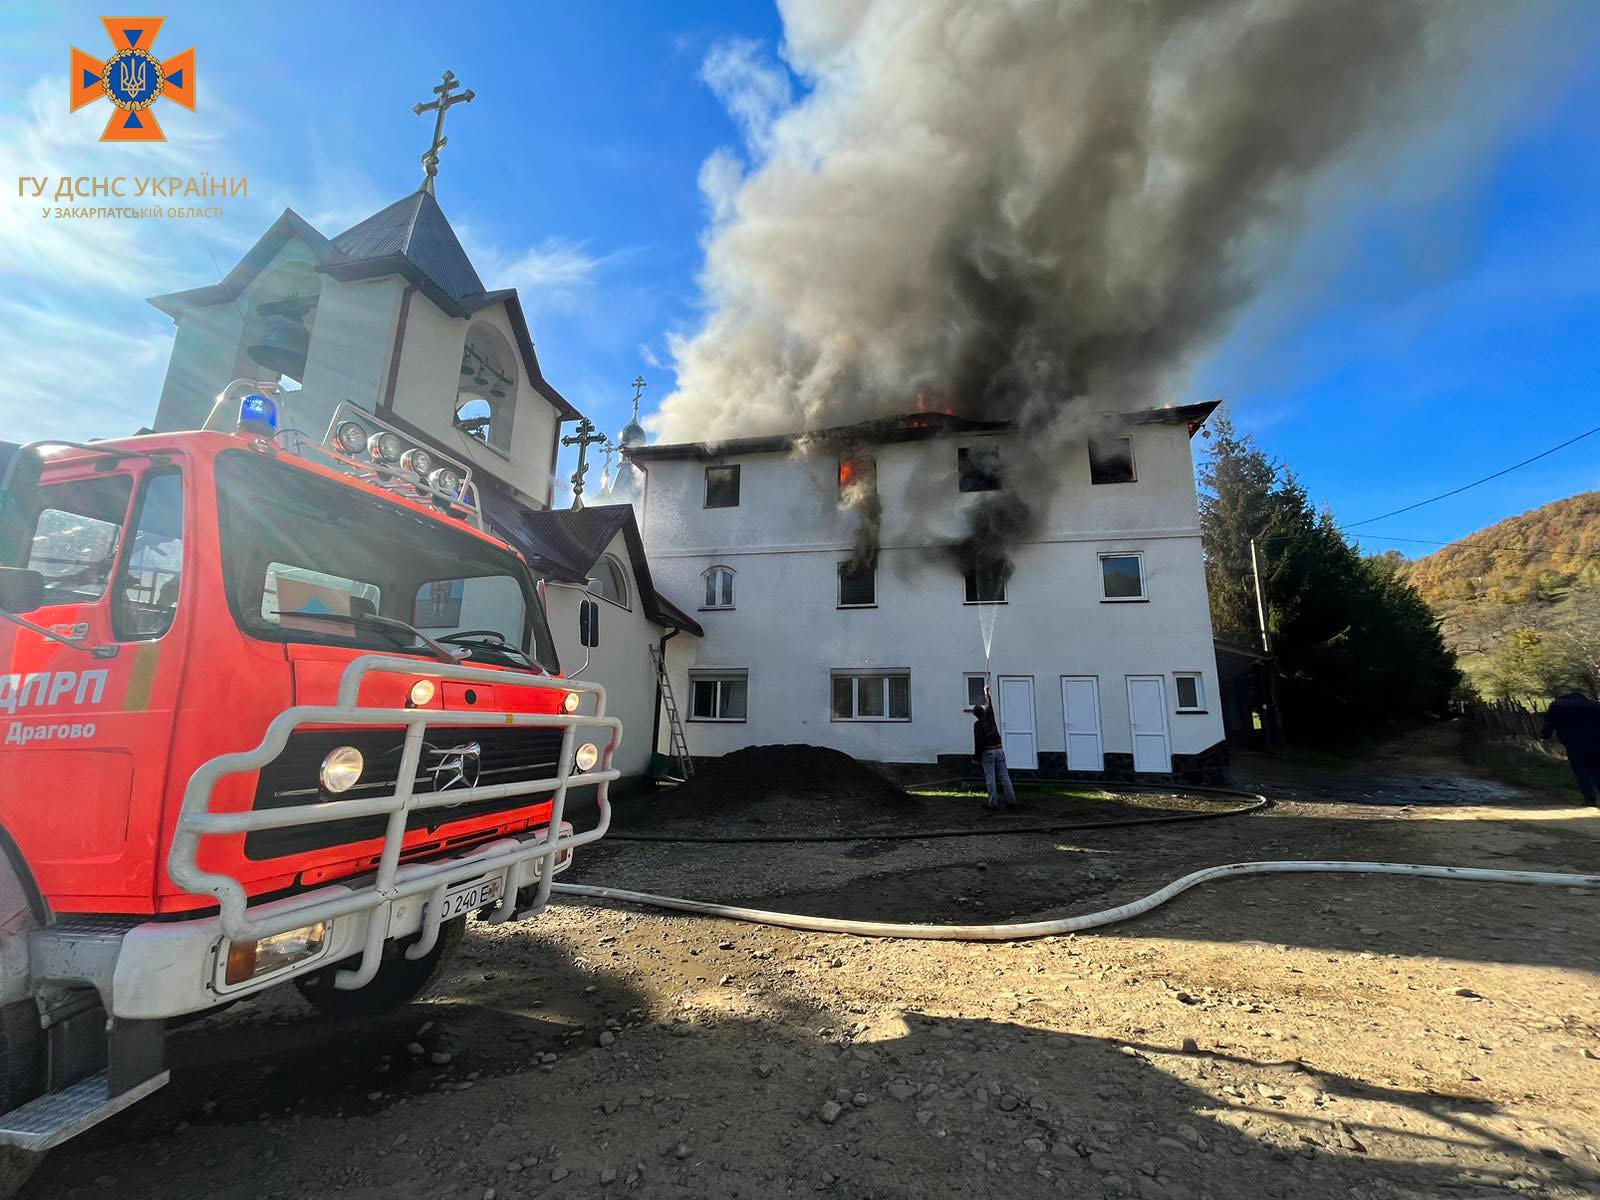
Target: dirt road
<point x="1294" y="1036"/>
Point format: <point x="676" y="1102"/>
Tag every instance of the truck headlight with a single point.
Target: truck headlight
<point x="352" y="439"/>
<point x="418" y="461"/>
<point x="385" y="447"/>
<point x="341" y="769"/>
<point x="446" y="482"/>
<point x="569" y="702"/>
<point x="246" y="960"/>
<point x="422" y="692"/>
<point x="588" y="754"/>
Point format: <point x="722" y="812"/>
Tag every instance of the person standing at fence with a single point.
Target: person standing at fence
<point x="1575" y="719"/>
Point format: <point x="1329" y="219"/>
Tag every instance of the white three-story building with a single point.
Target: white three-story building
<point x="1098" y="646"/>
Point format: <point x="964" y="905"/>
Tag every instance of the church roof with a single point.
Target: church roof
<point x="414" y="228"/>
<point x="566" y="543"/>
<point x="411" y="238"/>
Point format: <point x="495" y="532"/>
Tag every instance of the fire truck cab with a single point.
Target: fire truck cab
<point x="272" y="710"/>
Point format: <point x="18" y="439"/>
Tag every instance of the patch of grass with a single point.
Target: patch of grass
<point x="1521" y="763"/>
<point x="1031" y="789"/>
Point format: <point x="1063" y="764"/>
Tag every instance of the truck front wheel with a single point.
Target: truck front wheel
<point x="399" y="980"/>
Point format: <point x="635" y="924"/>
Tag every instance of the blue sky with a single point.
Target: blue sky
<point x="1428" y="323"/>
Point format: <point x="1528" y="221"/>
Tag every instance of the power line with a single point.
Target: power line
<point x="1476" y="482"/>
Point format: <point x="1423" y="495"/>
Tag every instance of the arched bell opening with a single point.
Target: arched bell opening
<point x="282" y="309"/>
<point x="486" y="397"/>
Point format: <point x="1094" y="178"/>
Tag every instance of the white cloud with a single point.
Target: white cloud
<point x="551" y="275"/>
<point x="70" y="377"/>
<point x="753" y="89"/>
<point x="648" y="355"/>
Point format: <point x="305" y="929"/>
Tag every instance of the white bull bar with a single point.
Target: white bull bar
<point x="393" y="880"/>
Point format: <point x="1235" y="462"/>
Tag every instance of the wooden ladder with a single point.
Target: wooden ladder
<point x="678" y="759"/>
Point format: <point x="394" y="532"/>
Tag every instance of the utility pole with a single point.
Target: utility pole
<point x="1261" y="604"/>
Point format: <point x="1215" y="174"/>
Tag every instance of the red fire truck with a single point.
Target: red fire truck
<point x="272" y="710"/>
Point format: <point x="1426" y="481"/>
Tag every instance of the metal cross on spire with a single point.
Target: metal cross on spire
<point x="638" y="392"/>
<point x="583" y="439"/>
<point x="444" y="103"/>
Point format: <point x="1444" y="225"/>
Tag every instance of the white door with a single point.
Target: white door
<point x="1016" y="722"/>
<point x="1080" y="709"/>
<point x="1147" y="714"/>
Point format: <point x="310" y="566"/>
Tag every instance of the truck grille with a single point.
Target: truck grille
<point x="504" y="756"/>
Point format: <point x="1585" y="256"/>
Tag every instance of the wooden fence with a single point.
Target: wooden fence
<point x="1505" y="717"/>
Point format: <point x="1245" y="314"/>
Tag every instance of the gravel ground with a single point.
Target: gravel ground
<point x="1289" y="1036"/>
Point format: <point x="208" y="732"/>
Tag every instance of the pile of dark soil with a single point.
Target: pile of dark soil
<point x="804" y="788"/>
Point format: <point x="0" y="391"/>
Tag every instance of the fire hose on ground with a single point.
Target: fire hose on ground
<point x="1025" y="930"/>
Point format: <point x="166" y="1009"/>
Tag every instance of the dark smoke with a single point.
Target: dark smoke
<point x="1023" y="210"/>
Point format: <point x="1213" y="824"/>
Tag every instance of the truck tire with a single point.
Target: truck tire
<point x="21" y="1054"/>
<point x="399" y="980"/>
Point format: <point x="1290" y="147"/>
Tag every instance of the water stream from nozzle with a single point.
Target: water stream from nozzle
<point x="986" y="618"/>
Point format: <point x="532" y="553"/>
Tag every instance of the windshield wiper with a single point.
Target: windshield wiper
<point x="479" y="640"/>
<point x="386" y="625"/>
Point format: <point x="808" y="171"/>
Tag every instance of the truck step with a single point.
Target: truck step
<point x="50" y="1120"/>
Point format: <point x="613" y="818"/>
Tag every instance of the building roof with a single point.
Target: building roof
<point x="907" y="428"/>
<point x="411" y="238"/>
<point x="566" y="544"/>
<point x="414" y="228"/>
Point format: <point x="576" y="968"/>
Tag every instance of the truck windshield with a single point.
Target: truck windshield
<point x="294" y="542"/>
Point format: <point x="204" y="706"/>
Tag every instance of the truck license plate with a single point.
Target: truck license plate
<point x="472" y="895"/>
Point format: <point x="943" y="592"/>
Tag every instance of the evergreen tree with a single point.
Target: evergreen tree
<point x="1357" y="649"/>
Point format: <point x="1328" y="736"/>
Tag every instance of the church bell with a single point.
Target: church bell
<point x="285" y="339"/>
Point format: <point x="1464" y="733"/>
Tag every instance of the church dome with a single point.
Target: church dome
<point x="632" y="434"/>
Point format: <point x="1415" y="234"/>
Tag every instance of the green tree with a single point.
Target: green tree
<point x="1358" y="651"/>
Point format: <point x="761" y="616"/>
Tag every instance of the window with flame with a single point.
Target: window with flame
<point x="978" y="468"/>
<point x="858" y="478"/>
<point x="719" y="587"/>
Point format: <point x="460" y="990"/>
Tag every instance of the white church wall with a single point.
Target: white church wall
<point x="349" y="356"/>
<point x="786" y="537"/>
<point x="621" y="662"/>
<point x="430" y="378"/>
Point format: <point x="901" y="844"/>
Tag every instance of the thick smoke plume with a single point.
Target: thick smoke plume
<point x="1016" y="209"/>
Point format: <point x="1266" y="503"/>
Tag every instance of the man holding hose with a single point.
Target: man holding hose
<point x="989" y="749"/>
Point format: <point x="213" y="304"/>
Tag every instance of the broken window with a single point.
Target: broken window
<point x="722" y="487"/>
<point x="874" y="696"/>
<point x="978" y="468"/>
<point x="858" y="478"/>
<point x="1111" y="460"/>
<point x="987" y="584"/>
<point x="858" y="585"/>
<point x="720" y="696"/>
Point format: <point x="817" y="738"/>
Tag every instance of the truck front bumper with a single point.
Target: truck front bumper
<point x="171" y="968"/>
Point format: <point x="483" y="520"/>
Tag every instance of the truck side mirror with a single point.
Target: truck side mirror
<point x="589" y="623"/>
<point x="20" y="590"/>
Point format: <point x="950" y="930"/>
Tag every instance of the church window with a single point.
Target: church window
<point x="486" y="395"/>
<point x="610" y="581"/>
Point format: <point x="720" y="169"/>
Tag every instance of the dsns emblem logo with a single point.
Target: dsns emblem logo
<point x="133" y="79"/>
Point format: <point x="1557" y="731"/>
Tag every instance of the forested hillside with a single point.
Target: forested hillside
<point x="1521" y="600"/>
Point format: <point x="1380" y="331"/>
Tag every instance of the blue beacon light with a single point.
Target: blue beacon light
<point x="258" y="415"/>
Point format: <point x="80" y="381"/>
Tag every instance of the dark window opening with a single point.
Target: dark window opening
<point x="978" y="468"/>
<point x="718" y="697"/>
<point x="722" y="487"/>
<point x="987" y="584"/>
<point x="1111" y="460"/>
<point x="76" y="535"/>
<point x="858" y="585"/>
